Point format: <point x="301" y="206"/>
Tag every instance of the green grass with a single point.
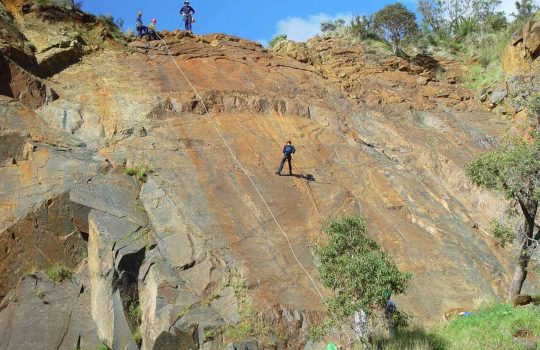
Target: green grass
<point x="139" y="170"/>
<point x="135" y="316"/>
<point x="414" y="339"/>
<point x="491" y="327"/>
<point x="479" y="77"/>
<point x="135" y="312"/>
<point x="59" y="273"/>
<point x="251" y="324"/>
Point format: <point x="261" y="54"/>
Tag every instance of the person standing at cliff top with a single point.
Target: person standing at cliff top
<point x="141" y="28"/>
<point x="288" y="151"/>
<point x="187" y="12"/>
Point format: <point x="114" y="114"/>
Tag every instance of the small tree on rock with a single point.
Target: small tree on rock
<point x="513" y="169"/>
<point x="357" y="270"/>
<point x="395" y="22"/>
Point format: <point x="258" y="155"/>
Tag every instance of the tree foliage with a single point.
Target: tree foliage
<point x="362" y="27"/>
<point x="525" y="9"/>
<point x="395" y="22"/>
<point x="354" y="266"/>
<point x="453" y="16"/>
<point x="332" y="25"/>
<point x="509" y="169"/>
<point x="432" y="13"/>
<point x="513" y="169"/>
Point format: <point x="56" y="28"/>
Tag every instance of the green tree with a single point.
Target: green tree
<point x="483" y="9"/>
<point x="525" y="9"/>
<point x="332" y="25"/>
<point x="356" y="269"/>
<point x="395" y="22"/>
<point x="459" y="11"/>
<point x="432" y="13"/>
<point x="361" y="27"/>
<point x="513" y="169"/>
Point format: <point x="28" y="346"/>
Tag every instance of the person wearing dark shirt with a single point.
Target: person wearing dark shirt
<point x="141" y="28"/>
<point x="187" y="12"/>
<point x="288" y="151"/>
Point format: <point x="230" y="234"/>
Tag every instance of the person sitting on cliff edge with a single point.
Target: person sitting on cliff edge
<point x="141" y="28"/>
<point x="187" y="13"/>
<point x="152" y="30"/>
<point x="288" y="151"/>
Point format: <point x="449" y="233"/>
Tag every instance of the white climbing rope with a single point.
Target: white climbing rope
<point x="245" y="172"/>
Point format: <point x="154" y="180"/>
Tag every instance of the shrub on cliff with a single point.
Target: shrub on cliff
<point x="277" y="39"/>
<point x="355" y="267"/>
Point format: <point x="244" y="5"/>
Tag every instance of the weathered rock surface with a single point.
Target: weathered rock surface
<point x="520" y="55"/>
<point x="118" y="240"/>
<point x="23" y="86"/>
<point x="43" y="314"/>
<point x="375" y="79"/>
<point x="386" y="139"/>
<point x="39" y="165"/>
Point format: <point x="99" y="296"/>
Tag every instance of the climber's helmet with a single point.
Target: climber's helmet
<point x="154" y="20"/>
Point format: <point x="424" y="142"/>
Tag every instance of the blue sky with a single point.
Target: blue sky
<point x="257" y="20"/>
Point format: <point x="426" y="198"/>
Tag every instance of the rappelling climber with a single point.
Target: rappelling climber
<point x="288" y="151"/>
<point x="152" y="29"/>
<point x="187" y="13"/>
<point x="141" y="28"/>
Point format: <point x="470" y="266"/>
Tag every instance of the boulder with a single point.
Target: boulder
<point x="532" y="40"/>
<point x="516" y="59"/>
<point x="497" y="96"/>
<point x="525" y="339"/>
<point x="522" y="300"/>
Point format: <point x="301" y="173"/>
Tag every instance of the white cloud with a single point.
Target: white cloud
<point x="301" y="29"/>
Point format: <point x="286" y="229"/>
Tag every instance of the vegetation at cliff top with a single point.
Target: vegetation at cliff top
<point x="472" y="31"/>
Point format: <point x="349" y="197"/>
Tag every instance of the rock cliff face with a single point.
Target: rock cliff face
<point x="183" y="254"/>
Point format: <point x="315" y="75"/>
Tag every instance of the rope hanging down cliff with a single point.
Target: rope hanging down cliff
<point x="207" y="112"/>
